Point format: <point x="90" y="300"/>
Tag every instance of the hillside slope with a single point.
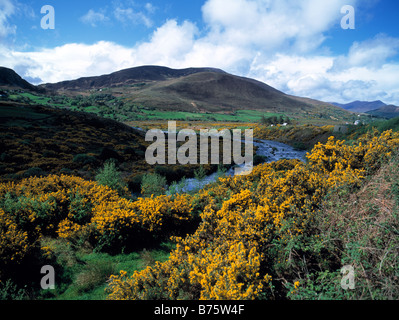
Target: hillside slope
<point x="389" y="112"/>
<point x="193" y="89"/>
<point x="9" y="79"/>
<point x="215" y="92"/>
<point x="38" y="140"/>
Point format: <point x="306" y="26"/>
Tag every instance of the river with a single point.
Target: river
<point x="271" y="150"/>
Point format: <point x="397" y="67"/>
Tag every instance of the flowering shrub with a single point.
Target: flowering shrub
<point x="13" y="242"/>
<point x="251" y="225"/>
<point x="73" y="208"/>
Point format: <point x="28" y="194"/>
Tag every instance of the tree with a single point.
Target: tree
<point x="200" y="173"/>
<point x="110" y="176"/>
<point x="153" y="184"/>
<point x="265" y="121"/>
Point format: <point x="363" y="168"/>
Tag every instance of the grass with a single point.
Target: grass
<point x="141" y="113"/>
<point x="122" y="109"/>
<point x="238" y="116"/>
<point x="7" y="112"/>
<point x="10" y="116"/>
<point x="361" y="229"/>
<point x="82" y="273"/>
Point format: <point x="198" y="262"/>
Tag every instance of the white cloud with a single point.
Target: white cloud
<point x="150" y="7"/>
<point x="7" y="9"/>
<point x="272" y="24"/>
<point x="372" y="53"/>
<point x="313" y="76"/>
<point x="93" y="18"/>
<point x="121" y="14"/>
<point x="287" y="71"/>
<point x="130" y="16"/>
<point x="53" y="65"/>
<point x="168" y="45"/>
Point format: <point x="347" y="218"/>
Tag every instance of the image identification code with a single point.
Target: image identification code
<point x="208" y="309"/>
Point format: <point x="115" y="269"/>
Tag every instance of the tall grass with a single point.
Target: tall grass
<point x="362" y="229"/>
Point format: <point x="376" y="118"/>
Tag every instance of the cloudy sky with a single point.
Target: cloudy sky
<point x="297" y="46"/>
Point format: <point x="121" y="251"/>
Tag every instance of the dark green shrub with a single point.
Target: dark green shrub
<point x="153" y="184"/>
<point x="108" y="153"/>
<point x="35" y="171"/>
<point x="110" y="176"/>
<point x="84" y="159"/>
<point x="10" y="291"/>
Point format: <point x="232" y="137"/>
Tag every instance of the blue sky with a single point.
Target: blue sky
<point x="296" y="46"/>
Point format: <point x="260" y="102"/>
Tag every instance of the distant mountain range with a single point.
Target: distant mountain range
<point x="375" y="108"/>
<point x="361" y="106"/>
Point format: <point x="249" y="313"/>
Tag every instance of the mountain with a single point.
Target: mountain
<point x="389" y="112"/>
<point x="192" y="89"/>
<point x="214" y="92"/>
<point x="360" y="106"/>
<point x="375" y="108"/>
<point x="9" y="79"/>
<point x="126" y="77"/>
<point x="196" y="90"/>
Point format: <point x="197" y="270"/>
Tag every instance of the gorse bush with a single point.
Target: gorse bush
<point x="77" y="210"/>
<point x="258" y="237"/>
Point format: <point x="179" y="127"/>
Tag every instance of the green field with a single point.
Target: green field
<point x="105" y="104"/>
<point x="240" y="115"/>
<point x="117" y="109"/>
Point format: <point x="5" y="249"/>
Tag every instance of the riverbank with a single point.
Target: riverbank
<point x="300" y="137"/>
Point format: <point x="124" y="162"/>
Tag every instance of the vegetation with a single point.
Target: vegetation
<point x="266" y="235"/>
<point x="38" y="141"/>
<point x="111" y="177"/>
<point x="262" y="236"/>
<point x="354" y="132"/>
<point x="112" y="104"/>
<point x="282" y="232"/>
<point x="301" y="137"/>
<point x="153" y="184"/>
